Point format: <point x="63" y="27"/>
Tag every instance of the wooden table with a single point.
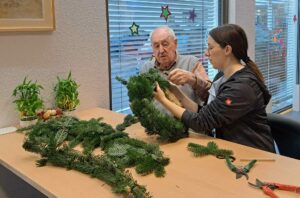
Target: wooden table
<point x="187" y="176"/>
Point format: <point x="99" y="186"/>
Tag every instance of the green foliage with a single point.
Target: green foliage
<point x="66" y="93"/>
<point x="129" y="152"/>
<point x="28" y="98"/>
<point x="128" y="120"/>
<point x="100" y="167"/>
<point x="139" y="88"/>
<point x="211" y="149"/>
<point x="121" y="80"/>
<point x="154" y="76"/>
<point x="156" y="122"/>
<point x="140" y="93"/>
<point x="54" y="140"/>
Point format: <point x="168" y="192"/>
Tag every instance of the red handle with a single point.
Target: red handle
<point x="269" y="192"/>
<point x="287" y="187"/>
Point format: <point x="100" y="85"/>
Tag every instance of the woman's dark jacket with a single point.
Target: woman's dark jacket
<point x="238" y="113"/>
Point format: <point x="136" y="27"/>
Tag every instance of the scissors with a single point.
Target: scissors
<point x="269" y="187"/>
<point x="240" y="171"/>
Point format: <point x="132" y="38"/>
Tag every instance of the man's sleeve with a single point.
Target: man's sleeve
<point x="144" y="68"/>
<point x="202" y="84"/>
<point x="148" y="65"/>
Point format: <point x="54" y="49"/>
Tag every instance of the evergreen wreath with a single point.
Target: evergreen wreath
<point x="140" y="93"/>
<point x="56" y="138"/>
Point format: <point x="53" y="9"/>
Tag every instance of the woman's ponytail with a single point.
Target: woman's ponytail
<point x="252" y="65"/>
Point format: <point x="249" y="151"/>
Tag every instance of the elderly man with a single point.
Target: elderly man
<point x="183" y="70"/>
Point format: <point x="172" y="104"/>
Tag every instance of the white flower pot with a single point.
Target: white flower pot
<point x="68" y="112"/>
<point x="27" y="123"/>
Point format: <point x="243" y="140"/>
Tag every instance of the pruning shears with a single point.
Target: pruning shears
<point x="269" y="187"/>
<point x="240" y="171"/>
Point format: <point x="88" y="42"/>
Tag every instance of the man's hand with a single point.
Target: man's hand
<point x="181" y="77"/>
<point x="200" y="71"/>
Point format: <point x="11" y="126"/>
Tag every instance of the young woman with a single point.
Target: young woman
<point x="235" y="109"/>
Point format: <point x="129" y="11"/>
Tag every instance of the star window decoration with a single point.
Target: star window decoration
<point x="165" y="12"/>
<point x="193" y="15"/>
<point x="134" y="28"/>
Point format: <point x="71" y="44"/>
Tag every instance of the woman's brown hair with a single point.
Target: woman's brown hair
<point x="235" y="36"/>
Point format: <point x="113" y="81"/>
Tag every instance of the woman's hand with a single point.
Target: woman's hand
<point x="158" y="93"/>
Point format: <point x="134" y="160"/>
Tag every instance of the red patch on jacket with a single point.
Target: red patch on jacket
<point x="228" y="101"/>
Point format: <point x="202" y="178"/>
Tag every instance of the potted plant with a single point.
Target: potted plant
<point x="28" y="101"/>
<point x="66" y="93"/>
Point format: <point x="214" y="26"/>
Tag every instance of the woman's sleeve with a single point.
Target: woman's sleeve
<point x="235" y="101"/>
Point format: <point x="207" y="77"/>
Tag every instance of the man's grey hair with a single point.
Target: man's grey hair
<point x="167" y="28"/>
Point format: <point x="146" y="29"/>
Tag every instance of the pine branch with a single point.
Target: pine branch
<point x="211" y="149"/>
<point x="121" y="80"/>
<point x="100" y="167"/>
<point x="128" y="121"/>
<point x="168" y="128"/>
<point x="132" y="152"/>
<point x="54" y="140"/>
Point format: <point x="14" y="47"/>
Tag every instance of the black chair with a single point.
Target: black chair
<point x="286" y="133"/>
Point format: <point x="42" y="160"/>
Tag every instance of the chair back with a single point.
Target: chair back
<point x="286" y="133"/>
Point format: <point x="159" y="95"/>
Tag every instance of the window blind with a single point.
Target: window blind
<point x="276" y="48"/>
<point x="190" y="19"/>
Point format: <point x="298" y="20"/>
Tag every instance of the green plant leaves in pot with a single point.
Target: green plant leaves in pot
<point x="66" y="93"/>
<point x="28" y="100"/>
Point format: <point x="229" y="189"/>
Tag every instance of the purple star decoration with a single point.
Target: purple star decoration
<point x="192" y="14"/>
<point x="165" y="12"/>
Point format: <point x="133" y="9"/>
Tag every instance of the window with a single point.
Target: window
<point x="276" y="48"/>
<point x="190" y="19"/>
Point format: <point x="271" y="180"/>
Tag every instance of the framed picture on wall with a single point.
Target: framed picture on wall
<point x="27" y="15"/>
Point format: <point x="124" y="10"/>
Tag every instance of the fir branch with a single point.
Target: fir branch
<point x="128" y="121"/>
<point x="140" y="93"/>
<point x="100" y="167"/>
<point x="54" y="140"/>
<point x="168" y="128"/>
<point x="211" y="149"/>
<point x="132" y="152"/>
<point x="121" y="80"/>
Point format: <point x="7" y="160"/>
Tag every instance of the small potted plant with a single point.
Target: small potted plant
<point x="28" y="101"/>
<point x="66" y="93"/>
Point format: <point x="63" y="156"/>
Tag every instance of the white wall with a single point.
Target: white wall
<point x="78" y="44"/>
<point x="242" y="12"/>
